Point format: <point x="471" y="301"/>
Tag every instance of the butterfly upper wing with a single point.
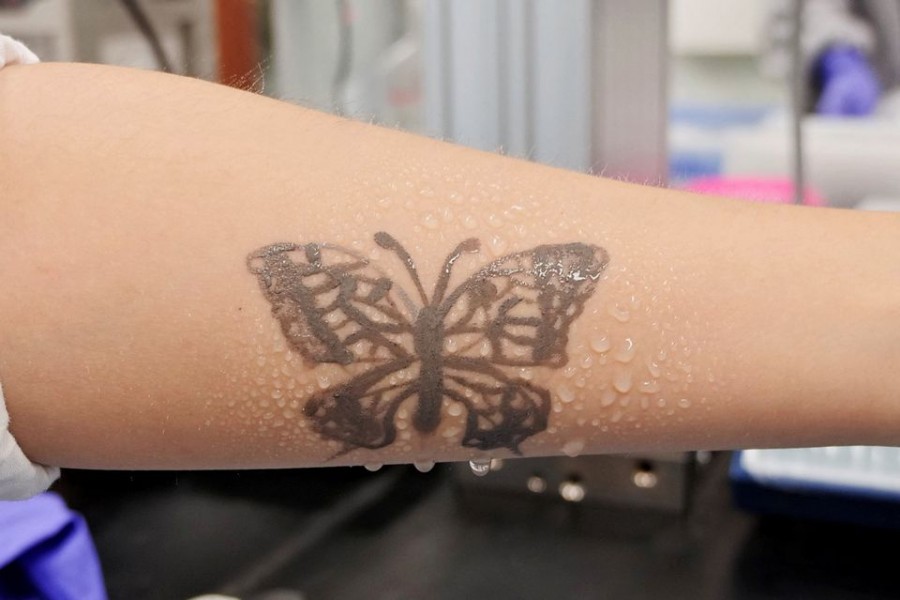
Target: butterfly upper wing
<point x="332" y="304"/>
<point x="518" y="309"/>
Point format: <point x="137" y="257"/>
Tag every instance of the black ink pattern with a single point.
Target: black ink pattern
<point x="335" y="306"/>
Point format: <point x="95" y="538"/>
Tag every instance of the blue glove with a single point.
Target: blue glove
<point x="46" y="552"/>
<point x="849" y="84"/>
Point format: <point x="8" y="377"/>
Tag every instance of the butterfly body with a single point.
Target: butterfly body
<point x="428" y="341"/>
<point x="455" y="347"/>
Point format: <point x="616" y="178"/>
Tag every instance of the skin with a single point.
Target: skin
<point x="134" y="335"/>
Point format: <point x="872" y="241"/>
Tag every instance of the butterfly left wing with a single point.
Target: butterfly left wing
<point x="360" y="413"/>
<point x="333" y="305"/>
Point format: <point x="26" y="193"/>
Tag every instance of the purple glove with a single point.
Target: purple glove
<point x="849" y="84"/>
<point x="46" y="552"/>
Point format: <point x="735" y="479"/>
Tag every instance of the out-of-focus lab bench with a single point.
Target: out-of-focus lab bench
<point x="346" y="533"/>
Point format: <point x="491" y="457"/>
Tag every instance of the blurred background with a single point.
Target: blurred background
<point x="767" y="101"/>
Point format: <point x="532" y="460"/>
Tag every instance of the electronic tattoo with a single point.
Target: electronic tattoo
<point x="335" y="306"/>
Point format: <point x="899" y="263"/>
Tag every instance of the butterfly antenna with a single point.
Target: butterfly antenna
<point x="386" y="241"/>
<point x="469" y="245"/>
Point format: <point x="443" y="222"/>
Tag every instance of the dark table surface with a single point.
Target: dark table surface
<point x="348" y="534"/>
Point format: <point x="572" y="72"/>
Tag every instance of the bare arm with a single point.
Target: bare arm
<point x="148" y="319"/>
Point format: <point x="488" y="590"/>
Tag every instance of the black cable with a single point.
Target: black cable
<point x="142" y="22"/>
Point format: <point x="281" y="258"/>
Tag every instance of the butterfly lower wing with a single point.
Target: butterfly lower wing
<point x="332" y="304"/>
<point x="501" y="411"/>
<point x="360" y="413"/>
<point x="518" y="309"/>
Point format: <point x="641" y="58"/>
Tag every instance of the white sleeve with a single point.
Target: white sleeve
<point x="13" y="52"/>
<point x="19" y="477"/>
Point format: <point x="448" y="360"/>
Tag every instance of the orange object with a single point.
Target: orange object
<point x="239" y="60"/>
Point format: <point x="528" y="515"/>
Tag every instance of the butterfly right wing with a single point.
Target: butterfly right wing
<point x="332" y="304"/>
<point x="501" y="411"/>
<point x="518" y="309"/>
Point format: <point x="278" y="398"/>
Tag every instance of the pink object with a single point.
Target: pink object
<point x="755" y="189"/>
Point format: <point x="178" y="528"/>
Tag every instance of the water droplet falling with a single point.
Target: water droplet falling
<point x="373" y="466"/>
<point x="573" y="448"/>
<point x="480" y="466"/>
<point x="424" y="466"/>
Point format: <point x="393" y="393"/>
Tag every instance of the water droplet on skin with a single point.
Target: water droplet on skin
<point x="661" y="402"/>
<point x="684" y="403"/>
<point x="607" y="397"/>
<point x="430" y="221"/>
<point x="450" y="344"/>
<point x="373" y="467"/>
<point x="470" y="222"/>
<point x="654" y="369"/>
<point x="480" y="466"/>
<point x="580" y="382"/>
<point x="485" y="348"/>
<point x="324" y="381"/>
<point x="626" y="351"/>
<point x="586" y="361"/>
<point x="569" y="372"/>
<point x="622" y="380"/>
<point x="650" y="386"/>
<point x="495" y="221"/>
<point x="261" y="360"/>
<point x="565" y="394"/>
<point x="424" y="466"/>
<point x="600" y="343"/>
<point x="498" y="244"/>
<point x="455" y="409"/>
<point x="526" y="373"/>
<point x="573" y="448"/>
<point x="616" y="416"/>
<point x="620" y="313"/>
<point x="276" y="394"/>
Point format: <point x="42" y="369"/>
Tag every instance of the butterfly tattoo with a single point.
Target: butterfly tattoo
<point x="458" y="346"/>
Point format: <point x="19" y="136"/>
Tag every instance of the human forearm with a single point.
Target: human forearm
<point x="134" y="333"/>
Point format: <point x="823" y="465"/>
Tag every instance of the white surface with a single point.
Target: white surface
<point x="846" y="159"/>
<point x="880" y="203"/>
<point x="872" y="468"/>
<point x="716" y="27"/>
